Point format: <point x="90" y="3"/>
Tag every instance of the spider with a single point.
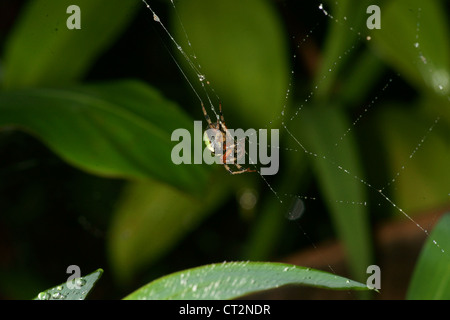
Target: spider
<point x="220" y="137"/>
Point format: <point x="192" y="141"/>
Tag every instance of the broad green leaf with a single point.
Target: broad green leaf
<point x="417" y="158"/>
<point x="41" y="50"/>
<point x="414" y="40"/>
<point x="431" y="278"/>
<point x="339" y="173"/>
<point x="236" y="279"/>
<point x="242" y="50"/>
<point x="121" y="129"/>
<point x="75" y="289"/>
<point x="151" y="218"/>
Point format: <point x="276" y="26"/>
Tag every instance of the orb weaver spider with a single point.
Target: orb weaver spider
<point x="217" y="141"/>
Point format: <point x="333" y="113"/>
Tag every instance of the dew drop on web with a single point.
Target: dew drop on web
<point x="296" y="210"/>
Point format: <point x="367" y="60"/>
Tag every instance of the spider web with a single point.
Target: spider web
<point x="298" y="207"/>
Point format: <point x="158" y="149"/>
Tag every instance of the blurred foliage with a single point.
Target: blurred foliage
<point x="86" y="118"/>
<point x="430" y="278"/>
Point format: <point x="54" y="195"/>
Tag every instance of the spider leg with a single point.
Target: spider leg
<point x="222" y="119"/>
<point x="227" y="156"/>
<point x="239" y="167"/>
<point x="244" y="170"/>
<point x="208" y="119"/>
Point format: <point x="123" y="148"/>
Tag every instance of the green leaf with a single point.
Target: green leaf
<point x="242" y="50"/>
<point x="431" y="278"/>
<point x="414" y="40"/>
<point x="236" y="279"/>
<point x="339" y="53"/>
<point x="151" y="218"/>
<point x="121" y="129"/>
<point x="41" y="50"/>
<point x="75" y="289"/>
<point x="343" y="191"/>
<point x="364" y="74"/>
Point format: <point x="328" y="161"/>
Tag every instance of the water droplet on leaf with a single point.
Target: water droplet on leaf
<point x="43" y="296"/>
<point x="57" y="295"/>
<point x="80" y="282"/>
